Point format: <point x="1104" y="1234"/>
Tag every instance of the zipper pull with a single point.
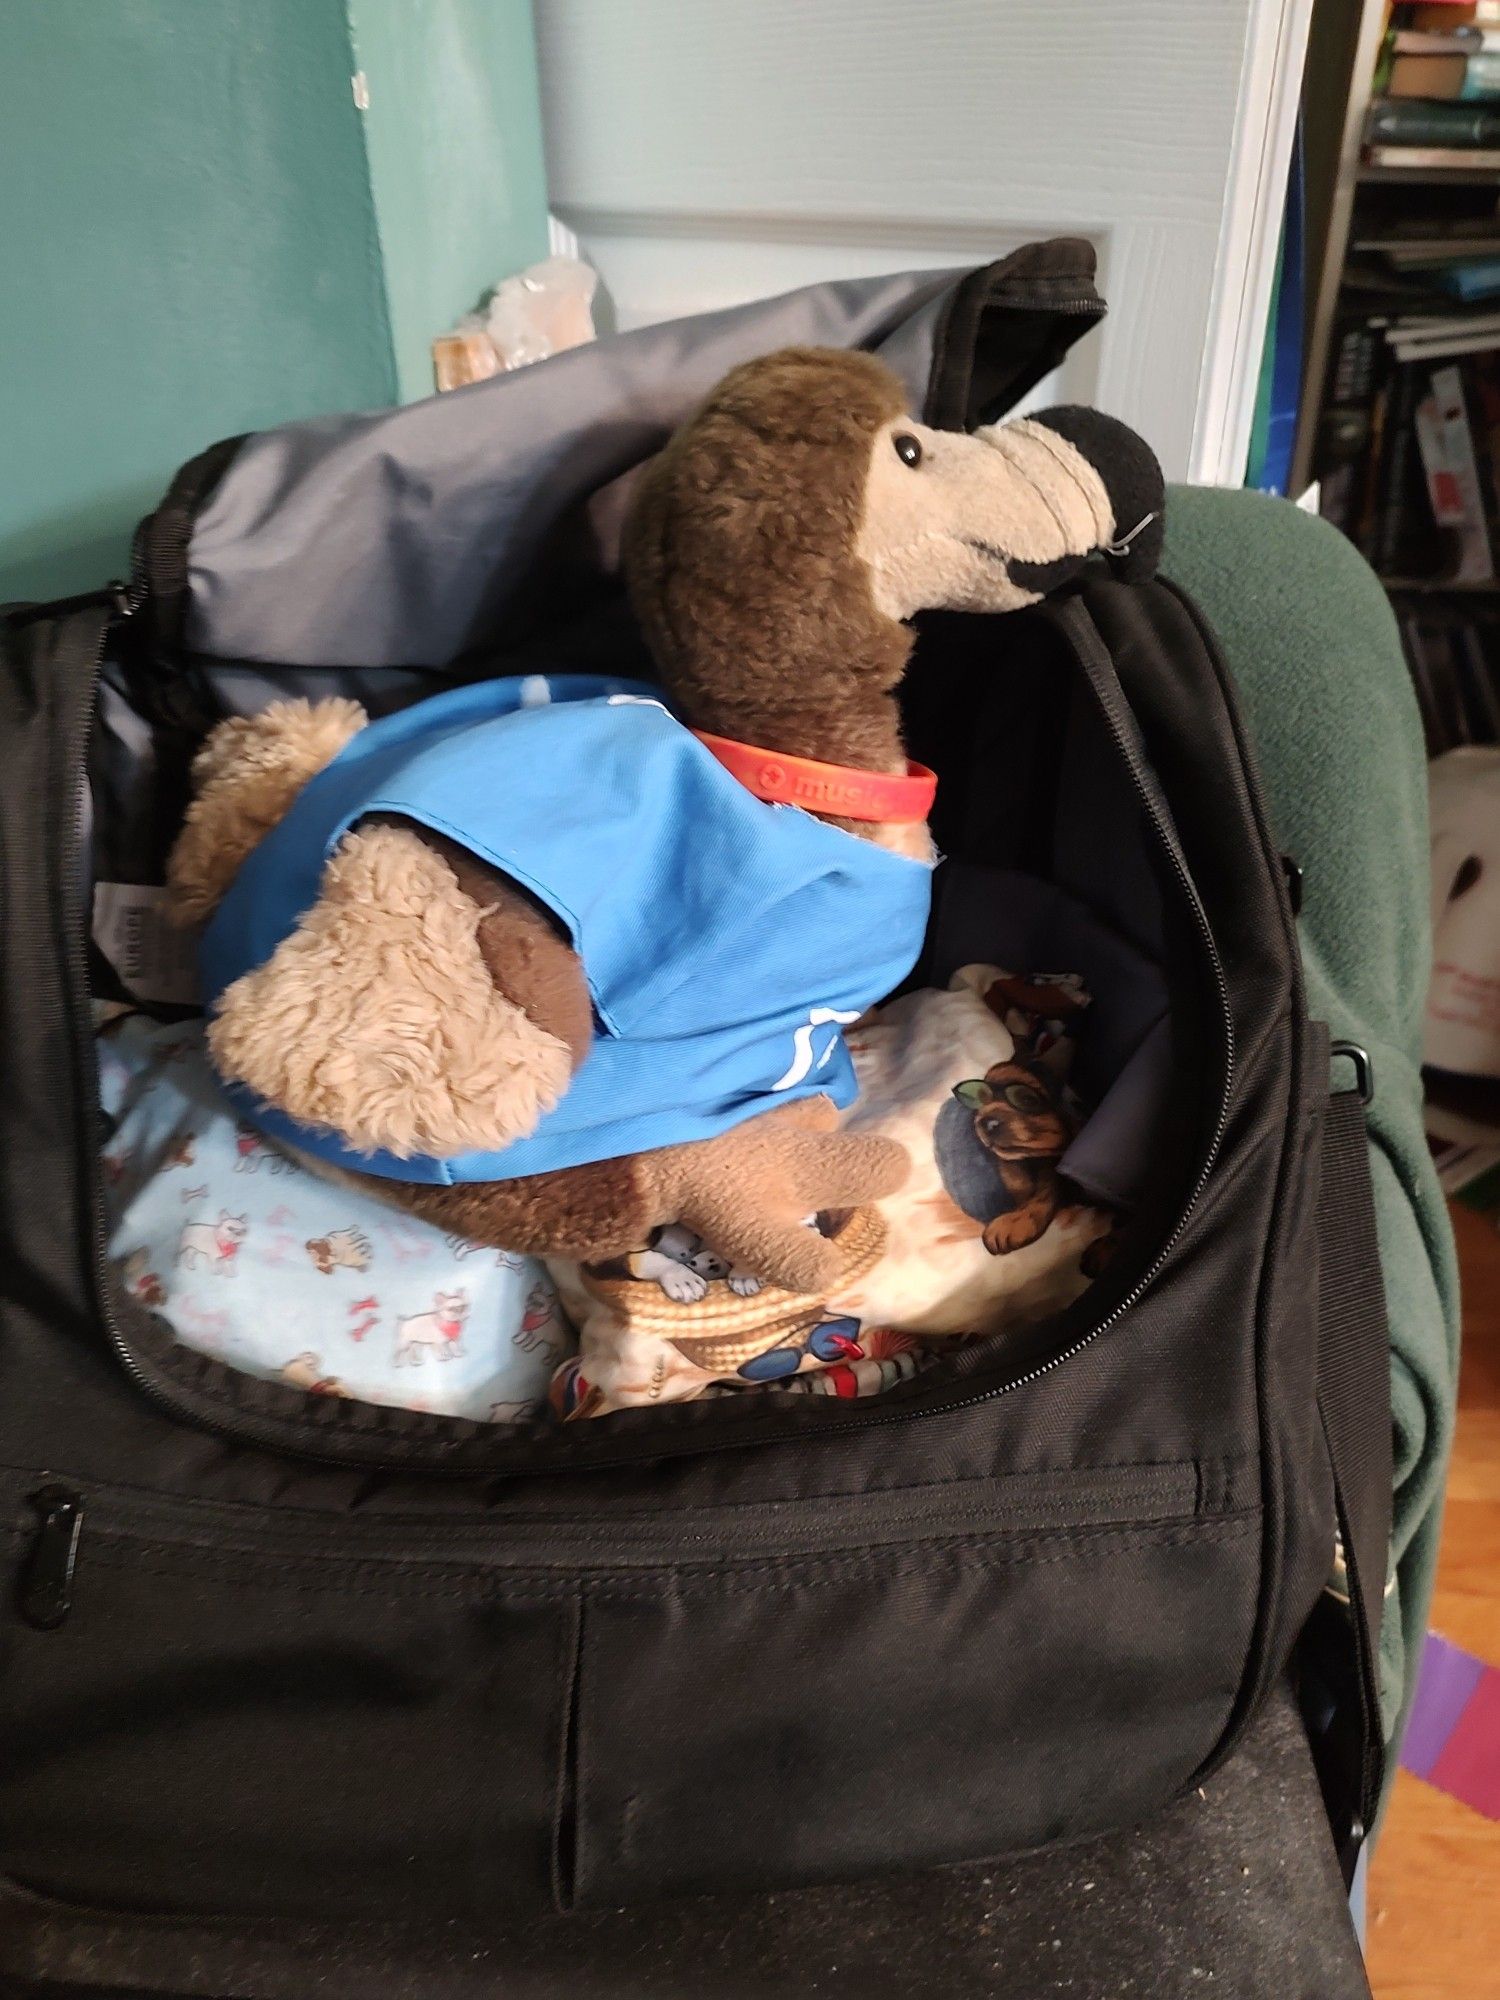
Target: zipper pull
<point x="46" y="1593"/>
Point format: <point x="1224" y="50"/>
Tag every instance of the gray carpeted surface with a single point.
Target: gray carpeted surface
<point x="1232" y="1894"/>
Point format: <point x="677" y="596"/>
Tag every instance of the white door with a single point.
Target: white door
<point x="712" y="151"/>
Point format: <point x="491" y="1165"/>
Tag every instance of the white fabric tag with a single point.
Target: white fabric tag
<point x="154" y="959"/>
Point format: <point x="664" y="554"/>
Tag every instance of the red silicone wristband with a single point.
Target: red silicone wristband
<point x="839" y="789"/>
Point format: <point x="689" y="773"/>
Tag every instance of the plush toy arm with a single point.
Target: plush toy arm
<point x="379" y="1019"/>
<point x="747" y="1193"/>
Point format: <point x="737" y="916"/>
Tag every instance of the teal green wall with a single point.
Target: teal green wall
<point x="454" y="139"/>
<point x="189" y="250"/>
<point x="190" y="242"/>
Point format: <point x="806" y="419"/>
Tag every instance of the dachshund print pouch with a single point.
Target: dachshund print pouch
<point x="987" y="1234"/>
<point x="273" y="1271"/>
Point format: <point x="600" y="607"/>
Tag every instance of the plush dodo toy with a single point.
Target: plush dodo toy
<point x="556" y="963"/>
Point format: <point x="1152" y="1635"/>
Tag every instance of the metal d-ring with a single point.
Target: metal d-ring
<point x="1364" y="1069"/>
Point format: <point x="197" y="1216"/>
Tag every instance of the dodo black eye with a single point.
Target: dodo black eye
<point x="908" y="449"/>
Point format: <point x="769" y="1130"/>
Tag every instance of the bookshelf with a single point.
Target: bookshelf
<point x="1399" y="420"/>
<point x="1338" y="82"/>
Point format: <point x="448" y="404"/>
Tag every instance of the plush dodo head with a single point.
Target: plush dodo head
<point x="778" y="543"/>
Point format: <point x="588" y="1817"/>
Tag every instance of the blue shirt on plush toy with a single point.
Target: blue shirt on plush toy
<point x="726" y="942"/>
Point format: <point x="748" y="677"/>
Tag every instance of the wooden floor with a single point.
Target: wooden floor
<point x="1434" y="1907"/>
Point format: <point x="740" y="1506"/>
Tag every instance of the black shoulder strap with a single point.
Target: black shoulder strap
<point x="1354" y="1406"/>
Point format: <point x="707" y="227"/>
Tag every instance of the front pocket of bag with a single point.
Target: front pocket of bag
<point x="216" y="1733"/>
<point x="837" y="1716"/>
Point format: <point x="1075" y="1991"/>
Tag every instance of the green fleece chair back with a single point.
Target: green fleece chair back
<point x="1311" y="640"/>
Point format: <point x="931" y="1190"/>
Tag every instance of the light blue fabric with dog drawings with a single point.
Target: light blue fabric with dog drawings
<point x="726" y="941"/>
<point x="255" y="1261"/>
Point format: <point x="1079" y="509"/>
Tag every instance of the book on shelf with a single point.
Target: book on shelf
<point x="1445" y="440"/>
<point x="1452" y="646"/>
<point x="1436" y="159"/>
<point x="1447" y="14"/>
<point x="1356" y="365"/>
<point x="1399" y="536"/>
<point x="1431" y="45"/>
<point x="1462" y="77"/>
<point x="1480" y="684"/>
<point x="1418" y="121"/>
<point x="1450" y="289"/>
<point x="1349" y="423"/>
<point x="1413" y="255"/>
<point x="1408" y="448"/>
<point x="1469" y="278"/>
<point x="1420" y="339"/>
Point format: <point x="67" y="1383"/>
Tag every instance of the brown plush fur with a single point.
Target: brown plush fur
<point x="525" y="953"/>
<point x="740" y="558"/>
<point x="778" y="543"/>
<point x="244" y="780"/>
<point x="424" y="1005"/>
<point x="377" y="1018"/>
<point x="746" y="1192"/>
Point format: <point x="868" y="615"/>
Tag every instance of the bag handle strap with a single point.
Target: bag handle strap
<point x="159" y="554"/>
<point x="1005" y="326"/>
<point x="1354" y="1409"/>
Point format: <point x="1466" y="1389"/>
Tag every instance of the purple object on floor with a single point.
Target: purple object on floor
<point x="1445" y="1684"/>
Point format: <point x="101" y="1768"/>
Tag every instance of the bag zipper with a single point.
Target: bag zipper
<point x="45" y="1595"/>
<point x="270" y="1433"/>
<point x="1088" y="641"/>
<point x="124" y="599"/>
<point x="1028" y="1507"/>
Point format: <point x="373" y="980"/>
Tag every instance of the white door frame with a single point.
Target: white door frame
<point x="1245" y="271"/>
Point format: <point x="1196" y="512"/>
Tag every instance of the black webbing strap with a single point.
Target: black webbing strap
<point x="160" y="554"/>
<point x="1354" y="1406"/>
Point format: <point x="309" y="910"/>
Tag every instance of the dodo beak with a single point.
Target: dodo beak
<point x="993" y="520"/>
<point x="1094" y="451"/>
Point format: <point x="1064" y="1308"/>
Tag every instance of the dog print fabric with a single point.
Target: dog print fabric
<point x="259" y="1263"/>
<point x="254" y="1260"/>
<point x="985" y="1235"/>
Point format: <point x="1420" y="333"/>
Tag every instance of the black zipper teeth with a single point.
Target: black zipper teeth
<point x="1216" y="1138"/>
<point x="1037" y="291"/>
<point x="1260" y="813"/>
<point x="83" y="1026"/>
<point x="1096" y="1503"/>
<point x="131" y="594"/>
<point x="271" y="1433"/>
<point x="1038" y="297"/>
